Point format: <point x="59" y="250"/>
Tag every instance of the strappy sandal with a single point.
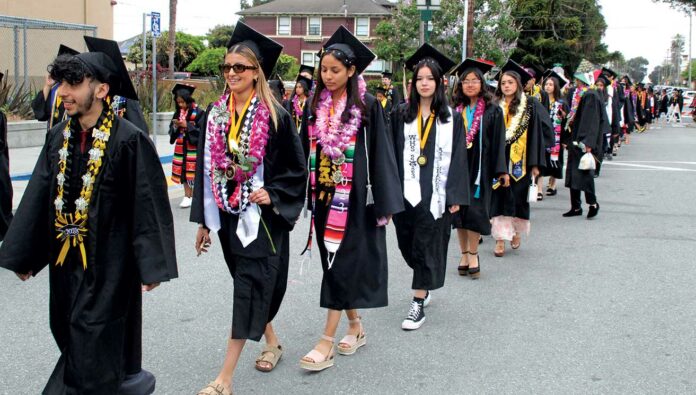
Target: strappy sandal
<point x="270" y="355"/>
<point x="315" y="361"/>
<point x="475" y="272"/>
<point x="354" y="342"/>
<point x="462" y="269"/>
<point x="516" y="245"/>
<point x="499" y="252"/>
<point x="214" y="389"/>
<point x="540" y="197"/>
<point x="551" y="192"/>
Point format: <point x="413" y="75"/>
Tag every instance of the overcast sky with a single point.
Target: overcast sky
<point x="635" y="27"/>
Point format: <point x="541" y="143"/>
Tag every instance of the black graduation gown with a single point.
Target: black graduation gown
<point x="476" y="217"/>
<point x="134" y="114"/>
<point x="259" y="273"/>
<point x="590" y="122"/>
<point x="512" y="201"/>
<point x="549" y="170"/>
<point x="422" y="239"/>
<point x="5" y="181"/>
<point x="617" y="101"/>
<point x="395" y="97"/>
<point x="629" y="112"/>
<point x="44" y="111"/>
<point x="96" y="314"/>
<point x="358" y="276"/>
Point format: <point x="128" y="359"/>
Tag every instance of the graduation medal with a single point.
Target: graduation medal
<point x="422" y="160"/>
<point x="71" y="228"/>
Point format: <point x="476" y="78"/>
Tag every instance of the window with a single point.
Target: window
<point x="362" y="27"/>
<point x="377" y="66"/>
<point x="309" y="58"/>
<point x="314" y="26"/>
<point x="284" y="25"/>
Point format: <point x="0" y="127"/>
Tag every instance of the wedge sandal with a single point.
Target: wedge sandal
<point x="315" y="361"/>
<point x="352" y="341"/>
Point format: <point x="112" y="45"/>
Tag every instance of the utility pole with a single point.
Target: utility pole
<point x="145" y="14"/>
<point x="465" y="28"/>
<point x="690" y="14"/>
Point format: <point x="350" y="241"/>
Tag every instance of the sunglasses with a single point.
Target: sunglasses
<point x="238" y="68"/>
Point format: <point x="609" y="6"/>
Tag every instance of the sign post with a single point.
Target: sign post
<point x="426" y="8"/>
<point x="155" y="29"/>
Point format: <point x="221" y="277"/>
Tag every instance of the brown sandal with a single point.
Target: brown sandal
<point x="515" y="245"/>
<point x="214" y="389"/>
<point x="499" y="252"/>
<point x="270" y="355"/>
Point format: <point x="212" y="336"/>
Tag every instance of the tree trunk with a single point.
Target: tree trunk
<point x="470" y="29"/>
<point x="172" y="36"/>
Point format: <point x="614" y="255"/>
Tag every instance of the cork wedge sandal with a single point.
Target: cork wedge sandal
<point x="350" y="343"/>
<point x="315" y="361"/>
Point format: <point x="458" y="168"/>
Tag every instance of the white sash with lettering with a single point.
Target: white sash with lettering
<point x="441" y="164"/>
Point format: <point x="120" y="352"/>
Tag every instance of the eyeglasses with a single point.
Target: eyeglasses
<point x="471" y="82"/>
<point x="238" y="68"/>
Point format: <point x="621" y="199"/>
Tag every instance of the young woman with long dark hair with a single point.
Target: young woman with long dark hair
<point x="557" y="109"/>
<point x="184" y="133"/>
<point x="431" y="154"/>
<point x="353" y="193"/>
<point x="485" y="146"/>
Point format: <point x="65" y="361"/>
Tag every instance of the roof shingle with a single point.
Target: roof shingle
<point x="314" y="7"/>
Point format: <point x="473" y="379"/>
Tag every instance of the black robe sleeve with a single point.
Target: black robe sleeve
<point x="384" y="174"/>
<point x="173" y="130"/>
<point x="197" y="213"/>
<point x="41" y="107"/>
<point x="539" y="135"/>
<point x="5" y="181"/>
<point x="543" y="121"/>
<point x="457" y="189"/>
<point x="287" y="170"/>
<point x="134" y="114"/>
<point x="588" y="121"/>
<point x="153" y="224"/>
<point x="498" y="164"/>
<point x="193" y="131"/>
<point x="26" y="245"/>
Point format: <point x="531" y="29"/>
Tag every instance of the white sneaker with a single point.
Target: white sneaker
<point x="186" y="202"/>
<point x="428" y="296"/>
<point x="415" y="318"/>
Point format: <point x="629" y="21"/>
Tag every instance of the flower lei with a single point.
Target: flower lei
<point x="297" y="107"/>
<point x="520" y="122"/>
<point x="476" y="123"/>
<point x="241" y="164"/>
<point x="72" y="228"/>
<point x="577" y="95"/>
<point x="335" y="136"/>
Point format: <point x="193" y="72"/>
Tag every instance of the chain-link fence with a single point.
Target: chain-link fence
<point x="27" y="46"/>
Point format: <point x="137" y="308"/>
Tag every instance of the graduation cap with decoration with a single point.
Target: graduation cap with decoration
<point x="65" y="50"/>
<point x="348" y="49"/>
<point x="585" y="78"/>
<point x="429" y="54"/>
<point x="600" y="76"/>
<point x="306" y="69"/>
<point x="469" y="64"/>
<point x="511" y="65"/>
<point x="104" y="59"/>
<point x="266" y="50"/>
<point x="552" y="73"/>
<point x="183" y="88"/>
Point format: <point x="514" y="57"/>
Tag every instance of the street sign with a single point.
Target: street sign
<point x="155" y="24"/>
<point x="433" y="5"/>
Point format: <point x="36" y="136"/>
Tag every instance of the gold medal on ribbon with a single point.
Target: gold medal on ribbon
<point x="422" y="160"/>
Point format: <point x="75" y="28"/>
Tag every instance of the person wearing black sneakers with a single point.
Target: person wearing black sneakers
<point x="429" y="140"/>
<point x="586" y="137"/>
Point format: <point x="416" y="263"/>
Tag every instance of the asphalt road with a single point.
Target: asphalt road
<point x="604" y="306"/>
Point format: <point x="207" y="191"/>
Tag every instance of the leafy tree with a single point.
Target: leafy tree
<point x="186" y="50"/>
<point x="252" y="3"/>
<point x="683" y="5"/>
<point x="559" y="31"/>
<point x="207" y="62"/>
<point x="399" y="33"/>
<point x="219" y="35"/>
<point x="685" y="73"/>
<point x="656" y="75"/>
<point x="637" y="68"/>
<point x="287" y="67"/>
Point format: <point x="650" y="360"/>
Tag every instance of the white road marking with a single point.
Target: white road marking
<point x="648" y="167"/>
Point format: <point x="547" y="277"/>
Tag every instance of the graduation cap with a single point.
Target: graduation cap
<point x="534" y="71"/>
<point x="121" y="84"/>
<point x="306" y="68"/>
<point x="266" y="50"/>
<point x="65" y="50"/>
<point x="511" y="65"/>
<point x="469" y="63"/>
<point x="604" y="79"/>
<point x="628" y="79"/>
<point x="387" y="74"/>
<point x="561" y="80"/>
<point x="427" y="53"/>
<point x="609" y="72"/>
<point x="183" y="87"/>
<point x="583" y="77"/>
<point x="306" y="81"/>
<point x="344" y="44"/>
<point x="380" y="89"/>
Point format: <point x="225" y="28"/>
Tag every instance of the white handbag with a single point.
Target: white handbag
<point x="533" y="192"/>
<point x="587" y="162"/>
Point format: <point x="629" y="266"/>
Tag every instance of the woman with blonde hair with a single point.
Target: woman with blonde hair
<point x="250" y="179"/>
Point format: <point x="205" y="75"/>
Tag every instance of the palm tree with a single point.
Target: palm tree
<point x="172" y="36"/>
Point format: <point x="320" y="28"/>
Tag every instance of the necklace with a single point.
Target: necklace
<point x="423" y="136"/>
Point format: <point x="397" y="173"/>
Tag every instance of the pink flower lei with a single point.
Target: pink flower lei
<point x="239" y="166"/>
<point x="333" y="136"/>
<point x="476" y="123"/>
<point x="296" y="106"/>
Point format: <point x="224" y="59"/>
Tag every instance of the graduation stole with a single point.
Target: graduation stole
<point x="383" y="102"/>
<point x="188" y="116"/>
<point x="337" y="142"/>
<point x="473" y="126"/>
<point x="441" y="163"/>
<point x="536" y="92"/>
<point x="516" y="136"/>
<point x="574" y="104"/>
<point x="557" y="121"/>
<point x="71" y="228"/>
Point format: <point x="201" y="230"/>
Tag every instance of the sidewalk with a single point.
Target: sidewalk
<point x="22" y="161"/>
